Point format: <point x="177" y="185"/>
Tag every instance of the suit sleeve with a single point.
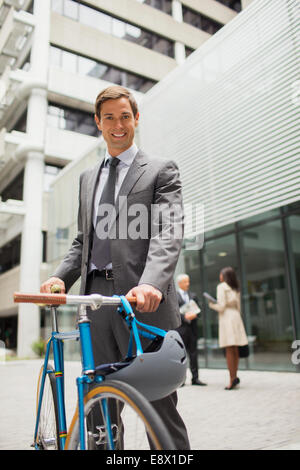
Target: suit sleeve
<point x="69" y="269"/>
<point x="166" y="229"/>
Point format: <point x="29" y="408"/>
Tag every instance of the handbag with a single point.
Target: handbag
<point x="244" y="351"/>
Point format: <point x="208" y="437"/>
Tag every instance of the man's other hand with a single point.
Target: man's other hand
<point x="46" y="286"/>
<point x="148" y="297"/>
<point x="190" y="316"/>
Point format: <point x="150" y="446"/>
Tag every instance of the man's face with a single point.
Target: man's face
<point x="117" y="124"/>
<point x="184" y="284"/>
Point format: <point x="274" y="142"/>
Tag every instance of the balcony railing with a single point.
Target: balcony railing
<point x="16" y="28"/>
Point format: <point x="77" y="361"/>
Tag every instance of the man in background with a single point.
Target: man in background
<point x="188" y="329"/>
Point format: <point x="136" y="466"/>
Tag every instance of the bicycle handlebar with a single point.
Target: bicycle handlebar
<point x="94" y="300"/>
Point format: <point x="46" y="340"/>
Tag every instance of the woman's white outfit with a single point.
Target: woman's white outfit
<point x="231" y="327"/>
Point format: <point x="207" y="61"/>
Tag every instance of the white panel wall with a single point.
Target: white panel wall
<point x="229" y="116"/>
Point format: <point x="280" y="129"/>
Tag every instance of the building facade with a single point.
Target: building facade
<point x="229" y="116"/>
<point x="55" y="56"/>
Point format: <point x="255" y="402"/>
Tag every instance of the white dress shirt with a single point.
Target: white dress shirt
<point x="126" y="158"/>
<point x="184" y="295"/>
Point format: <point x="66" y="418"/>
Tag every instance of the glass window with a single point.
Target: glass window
<point x="294" y="206"/>
<point x="162" y="5"/>
<point x="10" y="254"/>
<point x="55" y="57"/>
<point x="30" y="7"/>
<point x="15" y="189"/>
<point x="53" y="118"/>
<point x="69" y="61"/>
<point x="163" y="46"/>
<point x="70" y="119"/>
<point x="216" y="255"/>
<point x="145" y="86"/>
<point x="265" y="296"/>
<point x="50" y="173"/>
<point x="188" y="51"/>
<point x="71" y="9"/>
<point x="8" y="331"/>
<point x="21" y="123"/>
<point x="259" y="218"/>
<point x="57" y="5"/>
<point x="85" y="66"/>
<point x="219" y="231"/>
<point x="132" y="32"/>
<point x="113" y="75"/>
<point x="95" y="19"/>
<point x="118" y="28"/>
<point x="200" y="21"/>
<point x="233" y="4"/>
<point x="293" y="241"/>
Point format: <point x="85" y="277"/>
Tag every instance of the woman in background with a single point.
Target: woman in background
<point x="231" y="329"/>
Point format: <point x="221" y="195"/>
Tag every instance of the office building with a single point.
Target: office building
<point x="55" y="56"/>
<point x="233" y="129"/>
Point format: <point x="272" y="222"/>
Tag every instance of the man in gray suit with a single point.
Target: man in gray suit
<point x="139" y="256"/>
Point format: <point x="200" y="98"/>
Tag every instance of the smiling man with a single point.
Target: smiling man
<point x="142" y="267"/>
<point x="117" y="122"/>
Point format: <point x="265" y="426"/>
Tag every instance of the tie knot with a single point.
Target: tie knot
<point x="114" y="162"/>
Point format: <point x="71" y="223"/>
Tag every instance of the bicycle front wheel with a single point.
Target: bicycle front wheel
<point x="47" y="433"/>
<point x="118" y="417"/>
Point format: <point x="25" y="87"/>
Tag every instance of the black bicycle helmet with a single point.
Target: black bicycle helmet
<point x="155" y="373"/>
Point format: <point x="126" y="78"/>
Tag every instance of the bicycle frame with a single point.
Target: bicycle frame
<point x="56" y="342"/>
<point x="88" y="367"/>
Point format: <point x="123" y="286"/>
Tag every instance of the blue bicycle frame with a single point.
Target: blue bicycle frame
<point x="88" y="366"/>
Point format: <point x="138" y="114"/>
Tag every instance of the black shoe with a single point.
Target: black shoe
<point x="198" y="382"/>
<point x="235" y="382"/>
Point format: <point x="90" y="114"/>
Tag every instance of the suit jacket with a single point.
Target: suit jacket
<point x="146" y="260"/>
<point x="192" y="325"/>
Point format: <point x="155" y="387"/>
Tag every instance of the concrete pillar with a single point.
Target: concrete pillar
<point x="31" y="247"/>
<point x="179" y="47"/>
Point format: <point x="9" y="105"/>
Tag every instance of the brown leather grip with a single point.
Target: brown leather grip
<point x="47" y="299"/>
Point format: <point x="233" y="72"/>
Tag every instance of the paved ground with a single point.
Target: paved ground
<point x="264" y="413"/>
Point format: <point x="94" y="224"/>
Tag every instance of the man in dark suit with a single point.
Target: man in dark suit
<point x="137" y="257"/>
<point x="188" y="329"/>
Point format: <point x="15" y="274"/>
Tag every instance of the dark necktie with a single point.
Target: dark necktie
<point x="101" y="255"/>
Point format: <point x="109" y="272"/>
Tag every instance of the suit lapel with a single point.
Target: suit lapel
<point x="91" y="189"/>
<point x="137" y="168"/>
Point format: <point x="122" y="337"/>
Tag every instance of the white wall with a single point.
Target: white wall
<point x="229" y="117"/>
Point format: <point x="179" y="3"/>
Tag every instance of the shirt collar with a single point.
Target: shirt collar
<point x="125" y="157"/>
<point x="182" y="292"/>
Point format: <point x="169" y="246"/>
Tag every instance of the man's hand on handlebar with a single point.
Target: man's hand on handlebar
<point x="147" y="297"/>
<point x="46" y="286"/>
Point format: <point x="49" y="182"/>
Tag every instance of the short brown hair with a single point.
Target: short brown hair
<point x="113" y="93"/>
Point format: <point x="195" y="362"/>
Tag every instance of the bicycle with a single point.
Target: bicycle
<point x="117" y="393"/>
